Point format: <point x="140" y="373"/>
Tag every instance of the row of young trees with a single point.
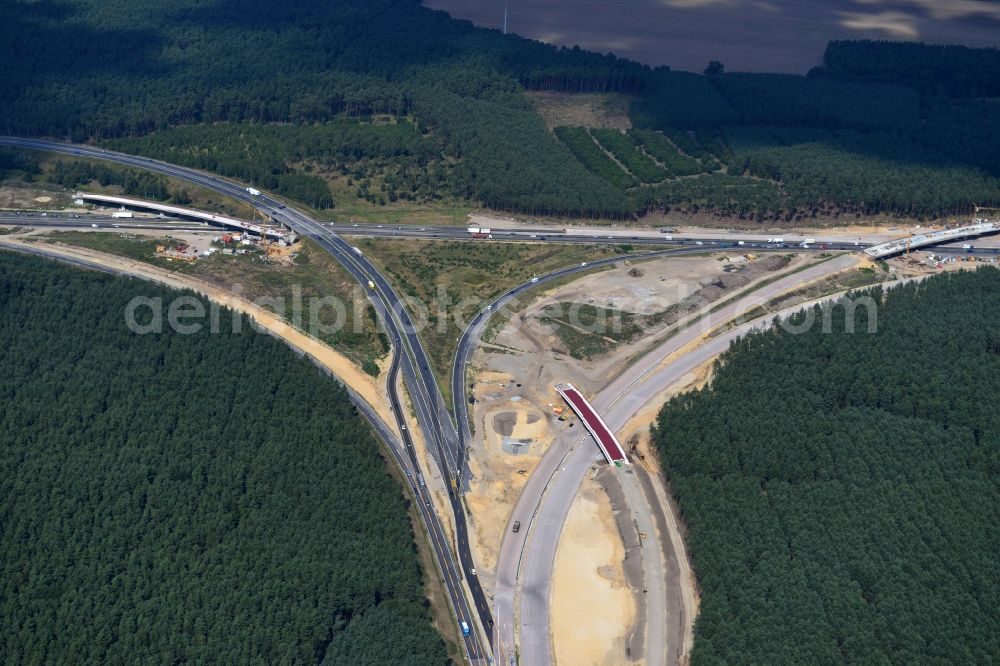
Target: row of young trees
<point x="638" y="164"/>
<point x="506" y="159"/>
<point x="590" y="155"/>
<point x="207" y="497"/>
<point x="666" y="153"/>
<point x="782" y="171"/>
<point x="840" y="488"/>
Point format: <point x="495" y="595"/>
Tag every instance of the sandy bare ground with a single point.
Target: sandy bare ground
<point x="589" y="583"/>
<point x="24" y="196"/>
<point x="526" y="356"/>
<point x="503" y="406"/>
<point x="584" y="110"/>
<point x="746" y="35"/>
<point x="346" y="371"/>
<point x="531" y="360"/>
<point x="693" y="282"/>
<point x="499" y="475"/>
<point x="847" y="227"/>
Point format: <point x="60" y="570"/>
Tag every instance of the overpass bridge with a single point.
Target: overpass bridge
<point x="595" y="425"/>
<point x="275" y="232"/>
<point x="981" y="227"/>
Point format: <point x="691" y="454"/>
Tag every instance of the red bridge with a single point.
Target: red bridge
<point x="606" y="439"/>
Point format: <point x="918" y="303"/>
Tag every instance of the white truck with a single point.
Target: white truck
<point x="121" y="214"/>
<point x="254" y="191"/>
<point x="357" y="251"/>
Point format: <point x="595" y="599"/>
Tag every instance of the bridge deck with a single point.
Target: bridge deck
<point x="606" y="440"/>
<point x="278" y="233"/>
<point x="980" y="228"/>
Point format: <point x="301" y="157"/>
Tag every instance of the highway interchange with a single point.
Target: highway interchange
<point x="409" y="358"/>
<point x="446" y="438"/>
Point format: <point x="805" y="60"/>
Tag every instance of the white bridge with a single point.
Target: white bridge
<point x="980" y="228"/>
<point x="277" y="233"/>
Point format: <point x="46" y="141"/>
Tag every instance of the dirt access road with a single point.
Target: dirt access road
<point x="529" y="555"/>
<point x="512" y="377"/>
<point x="347" y="372"/>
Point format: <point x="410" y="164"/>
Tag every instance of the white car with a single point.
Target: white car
<point x="583" y="265"/>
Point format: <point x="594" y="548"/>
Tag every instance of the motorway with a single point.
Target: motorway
<point x="409" y="358"/>
<point x="446" y="442"/>
<point x="64" y="221"/>
<point x="987" y="246"/>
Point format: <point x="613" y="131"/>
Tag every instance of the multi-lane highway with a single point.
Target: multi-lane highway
<point x="409" y="357"/>
<point x="69" y="221"/>
<point x="985" y="247"/>
<point x="446" y="442"/>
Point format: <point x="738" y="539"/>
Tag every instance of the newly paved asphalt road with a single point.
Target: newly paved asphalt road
<point x="447" y="442"/>
<point x="546" y="498"/>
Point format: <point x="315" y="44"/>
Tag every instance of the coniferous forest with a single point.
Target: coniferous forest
<point x="841" y="489"/>
<point x="204" y="498"/>
<point x="410" y="105"/>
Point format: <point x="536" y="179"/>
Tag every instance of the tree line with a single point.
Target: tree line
<point x="188" y="498"/>
<point x="839" y="486"/>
